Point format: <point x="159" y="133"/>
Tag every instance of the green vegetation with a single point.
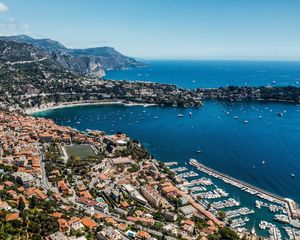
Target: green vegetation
<point x="224" y="233"/>
<point x="83" y="151"/>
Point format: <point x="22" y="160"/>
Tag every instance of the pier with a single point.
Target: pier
<point x="289" y="204"/>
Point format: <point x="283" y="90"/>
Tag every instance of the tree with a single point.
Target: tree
<point x="221" y="215"/>
<point x="33" y="202"/>
<point x="21" y="205"/>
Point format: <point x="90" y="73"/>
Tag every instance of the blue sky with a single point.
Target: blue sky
<point x="169" y="29"/>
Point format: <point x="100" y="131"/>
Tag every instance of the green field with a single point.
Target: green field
<point x="83" y="151"/>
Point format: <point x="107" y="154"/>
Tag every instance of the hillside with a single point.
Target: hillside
<point x="92" y="61"/>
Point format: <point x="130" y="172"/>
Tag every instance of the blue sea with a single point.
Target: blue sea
<point x="227" y="144"/>
<point x="208" y="74"/>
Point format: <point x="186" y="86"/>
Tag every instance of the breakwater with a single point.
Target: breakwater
<point x="289" y="204"/>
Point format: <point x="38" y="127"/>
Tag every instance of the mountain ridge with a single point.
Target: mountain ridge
<point x="91" y="61"/>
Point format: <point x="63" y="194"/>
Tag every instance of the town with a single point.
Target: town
<point x="60" y="183"/>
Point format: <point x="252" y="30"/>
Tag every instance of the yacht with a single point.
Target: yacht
<point x="292" y="175"/>
<point x="280" y="114"/>
<point x="246" y="121"/>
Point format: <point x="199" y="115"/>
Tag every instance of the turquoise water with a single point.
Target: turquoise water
<point x="194" y="74"/>
<point x="227" y="144"/>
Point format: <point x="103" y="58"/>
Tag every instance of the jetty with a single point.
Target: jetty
<point x="289" y="204"/>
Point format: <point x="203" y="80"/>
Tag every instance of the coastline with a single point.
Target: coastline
<point x="51" y="106"/>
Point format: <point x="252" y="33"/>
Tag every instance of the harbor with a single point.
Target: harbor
<point x="283" y="210"/>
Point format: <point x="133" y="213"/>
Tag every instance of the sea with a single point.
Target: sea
<point x="264" y="152"/>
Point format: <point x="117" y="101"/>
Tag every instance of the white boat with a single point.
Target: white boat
<point x="263" y="162"/>
<point x="235" y="117"/>
<point x="292" y="175"/>
<point x="180" y="115"/>
<point x="246" y="121"/>
<point x="190" y="113"/>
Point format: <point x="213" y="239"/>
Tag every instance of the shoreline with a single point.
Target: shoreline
<point x="51" y="106"/>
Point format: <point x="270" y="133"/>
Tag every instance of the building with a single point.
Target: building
<point x="183" y="201"/>
<point x="188" y="210"/>
<point x="26" y="179"/>
<point x="151" y="195"/>
<point x="134" y="194"/>
<point x="120" y="160"/>
<point x="57" y="236"/>
<point x="170" y="216"/>
<point x="88" y="223"/>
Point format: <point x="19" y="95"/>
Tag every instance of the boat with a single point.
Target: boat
<point x="246" y="121"/>
<point x="77" y="122"/>
<point x="198" y="151"/>
<point x="292" y="175"/>
<point x="180" y="115"/>
<point x="155" y="117"/>
<point x="235" y="117"/>
<point x="190" y="113"/>
<point x="280" y="114"/>
<point x="281" y="218"/>
<point x="263" y="162"/>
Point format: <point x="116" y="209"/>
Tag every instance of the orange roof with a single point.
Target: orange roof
<point x="40" y="194"/>
<point x="12" y="217"/>
<point x="63" y="224"/>
<point x="73" y="220"/>
<point x="188" y="222"/>
<point x="110" y="221"/>
<point x="88" y="222"/>
<point x="86" y="194"/>
<point x="8" y="183"/>
<point x="122" y="226"/>
<point x="57" y="214"/>
<point x="143" y="234"/>
<point x="98" y="216"/>
<point x="124" y="204"/>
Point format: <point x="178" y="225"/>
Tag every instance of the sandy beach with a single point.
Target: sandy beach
<point x="52" y="106"/>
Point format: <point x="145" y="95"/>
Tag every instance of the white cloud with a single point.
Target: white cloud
<point x="3" y="7"/>
<point x="11" y="26"/>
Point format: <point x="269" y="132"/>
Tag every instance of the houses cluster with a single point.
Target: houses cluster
<point x="119" y="193"/>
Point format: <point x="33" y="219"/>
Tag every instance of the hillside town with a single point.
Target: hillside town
<point x="60" y="183"/>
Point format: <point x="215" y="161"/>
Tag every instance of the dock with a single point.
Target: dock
<point x="169" y="164"/>
<point x="289" y="204"/>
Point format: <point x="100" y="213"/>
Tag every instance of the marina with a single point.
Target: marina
<point x="287" y="204"/>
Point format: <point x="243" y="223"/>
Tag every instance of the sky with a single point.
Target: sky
<point x="163" y="29"/>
